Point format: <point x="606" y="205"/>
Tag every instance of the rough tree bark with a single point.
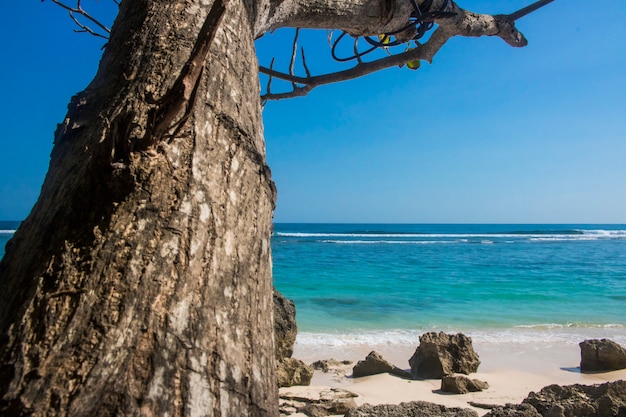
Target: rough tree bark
<point x="140" y="284"/>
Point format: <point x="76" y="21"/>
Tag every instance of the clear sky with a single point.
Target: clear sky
<point x="486" y="133"/>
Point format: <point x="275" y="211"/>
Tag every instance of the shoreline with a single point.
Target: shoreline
<point x="512" y="370"/>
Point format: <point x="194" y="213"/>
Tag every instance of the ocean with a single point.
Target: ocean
<point x="377" y="284"/>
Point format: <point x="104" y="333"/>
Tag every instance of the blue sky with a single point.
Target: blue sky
<point x="486" y="133"/>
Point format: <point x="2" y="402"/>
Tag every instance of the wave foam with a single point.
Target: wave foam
<point x="567" y="235"/>
<point x="389" y="242"/>
<point x="531" y="334"/>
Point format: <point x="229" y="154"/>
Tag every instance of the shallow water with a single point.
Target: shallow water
<point x="389" y="283"/>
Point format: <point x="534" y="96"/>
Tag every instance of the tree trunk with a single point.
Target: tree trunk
<point x="140" y="284"/>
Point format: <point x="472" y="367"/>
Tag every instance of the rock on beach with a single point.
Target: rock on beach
<point x="601" y="356"/>
<point x="459" y="384"/>
<point x="374" y="364"/>
<point x="440" y="354"/>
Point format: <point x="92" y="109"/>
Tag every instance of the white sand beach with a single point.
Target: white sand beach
<point x="511" y="369"/>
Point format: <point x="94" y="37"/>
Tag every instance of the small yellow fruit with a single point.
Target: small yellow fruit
<point x="413" y="64"/>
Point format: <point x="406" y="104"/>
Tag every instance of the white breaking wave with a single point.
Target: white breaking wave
<point x="7" y="232"/>
<point x="389" y="242"/>
<point x="536" y="334"/>
<point x="605" y="234"/>
<point x="580" y="235"/>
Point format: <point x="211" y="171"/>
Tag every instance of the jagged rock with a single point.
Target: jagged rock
<point x="285" y="328"/>
<point x="316" y="401"/>
<point x="442" y="354"/>
<point x="410" y="409"/>
<point x="374" y="364"/>
<point x="605" y="400"/>
<point x="510" y="410"/>
<point x="292" y="372"/>
<point x="459" y="384"/>
<point x="601" y="355"/>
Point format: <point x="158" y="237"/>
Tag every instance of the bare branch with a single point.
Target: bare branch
<point x="269" y="82"/>
<point x="85" y="28"/>
<point x="306" y="67"/>
<point x="294" y="51"/>
<point x="80" y="11"/>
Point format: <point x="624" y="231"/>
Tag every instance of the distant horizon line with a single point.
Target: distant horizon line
<point x="425" y="223"/>
<point x="454" y="223"/>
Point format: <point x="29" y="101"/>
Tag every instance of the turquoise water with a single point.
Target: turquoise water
<point x="389" y="282"/>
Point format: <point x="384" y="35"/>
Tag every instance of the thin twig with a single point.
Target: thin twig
<point x="269" y="82"/>
<point x="79" y="10"/>
<point x="294" y="51"/>
<point x="85" y="28"/>
<point x="306" y="67"/>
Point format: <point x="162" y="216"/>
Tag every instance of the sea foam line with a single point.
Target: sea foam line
<point x="518" y="335"/>
<point x="584" y="235"/>
<point x="389" y="242"/>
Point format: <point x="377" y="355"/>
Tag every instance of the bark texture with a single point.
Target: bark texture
<point x="141" y="282"/>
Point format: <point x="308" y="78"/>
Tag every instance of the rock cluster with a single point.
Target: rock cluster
<point x="289" y="371"/>
<point x="601" y="356"/>
<point x="604" y="400"/>
<point x="441" y="354"/>
<point x="410" y="409"/>
<point x="580" y="400"/>
<point x="316" y="401"/>
<point x="285" y="327"/>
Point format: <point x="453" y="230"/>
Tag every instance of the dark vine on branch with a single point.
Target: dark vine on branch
<point x="421" y="21"/>
<point x="451" y="20"/>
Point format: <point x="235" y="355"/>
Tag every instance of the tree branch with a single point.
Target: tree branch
<point x="463" y="23"/>
<point x="425" y="52"/>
